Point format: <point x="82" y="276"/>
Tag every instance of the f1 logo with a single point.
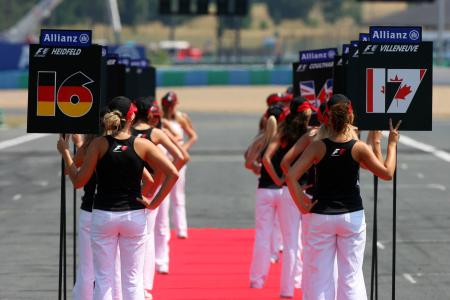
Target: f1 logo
<point x="408" y="81"/>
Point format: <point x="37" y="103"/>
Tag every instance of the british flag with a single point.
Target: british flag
<point x="308" y="90"/>
<point x="326" y="92"/>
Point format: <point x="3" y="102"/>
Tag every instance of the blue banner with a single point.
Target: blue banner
<point x="319" y="55"/>
<point x="364" y="37"/>
<point x="396" y="34"/>
<point x="64" y="38"/>
<point x="354" y="43"/>
<point x="13" y="56"/>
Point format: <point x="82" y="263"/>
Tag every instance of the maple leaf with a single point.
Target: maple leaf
<point x="402" y="92"/>
<point x="382" y="89"/>
<point x="396" y="79"/>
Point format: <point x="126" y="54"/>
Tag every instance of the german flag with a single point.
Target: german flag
<point x="74" y="101"/>
<point x="46" y="94"/>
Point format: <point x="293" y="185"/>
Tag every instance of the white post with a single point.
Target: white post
<point x="441" y="29"/>
<point x="115" y="19"/>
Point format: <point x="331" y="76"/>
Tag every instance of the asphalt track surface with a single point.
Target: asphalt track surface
<point x="220" y="193"/>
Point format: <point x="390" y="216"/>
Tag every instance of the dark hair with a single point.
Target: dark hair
<point x="143" y="104"/>
<point x="295" y="124"/>
<point x="341" y="116"/>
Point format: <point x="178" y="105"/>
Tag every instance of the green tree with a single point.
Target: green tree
<point x="78" y="11"/>
<point x="334" y="9"/>
<point x="133" y="12"/>
<point x="12" y="11"/>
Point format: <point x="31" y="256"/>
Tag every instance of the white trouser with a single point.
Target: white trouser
<point x="266" y="206"/>
<point x="178" y="202"/>
<point x="162" y="235"/>
<point x="84" y="284"/>
<point x="149" y="260"/>
<point x="128" y="229"/>
<point x="290" y="224"/>
<point x="277" y="239"/>
<point x="335" y="237"/>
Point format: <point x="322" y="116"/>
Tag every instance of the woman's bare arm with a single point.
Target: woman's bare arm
<point x="295" y="151"/>
<point x="80" y="177"/>
<point x="267" y="160"/>
<point x="186" y="124"/>
<point x="157" y="161"/>
<point x="159" y="137"/>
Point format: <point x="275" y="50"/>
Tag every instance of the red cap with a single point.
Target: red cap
<point x="169" y="99"/>
<point x="154" y="110"/>
<point x="274" y="98"/>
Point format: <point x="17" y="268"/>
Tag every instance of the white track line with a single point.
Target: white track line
<point x="380" y="245"/>
<point x="17" y="197"/>
<point x="21" y="139"/>
<point x="408" y="277"/>
<point x="405" y="140"/>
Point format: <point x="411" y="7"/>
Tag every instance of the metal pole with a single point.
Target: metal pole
<point x="74" y="228"/>
<point x="374" y="271"/>
<point x="394" y="226"/>
<point x="62" y="283"/>
<point x="441" y="29"/>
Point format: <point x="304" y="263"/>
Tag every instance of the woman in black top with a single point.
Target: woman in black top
<point x="268" y="195"/>
<point x="84" y="284"/>
<point x="336" y="225"/>
<point x="119" y="215"/>
<point x="143" y="129"/>
<point x="291" y="130"/>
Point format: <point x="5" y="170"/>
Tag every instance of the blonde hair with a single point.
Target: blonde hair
<point x="325" y="132"/>
<point x="113" y="122"/>
<point x="262" y="140"/>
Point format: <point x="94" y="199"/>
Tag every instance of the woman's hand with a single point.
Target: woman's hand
<point x="279" y="180"/>
<point x="145" y="201"/>
<point x="393" y="132"/>
<point x="63" y="143"/>
<point x="306" y="202"/>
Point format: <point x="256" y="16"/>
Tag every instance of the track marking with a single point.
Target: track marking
<point x="16" y="197"/>
<point x="408" y="277"/>
<point x="21" y="139"/>
<point x="434" y="186"/>
<point x="420" y="175"/>
<point x="437" y="186"/>
<point x="380" y="245"/>
<point x="42" y="183"/>
<point x="405" y="140"/>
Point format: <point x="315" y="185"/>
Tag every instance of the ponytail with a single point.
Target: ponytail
<point x="341" y="115"/>
<point x="113" y="122"/>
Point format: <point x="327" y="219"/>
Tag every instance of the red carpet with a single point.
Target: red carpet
<point x="213" y="264"/>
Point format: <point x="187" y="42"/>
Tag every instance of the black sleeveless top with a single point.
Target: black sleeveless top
<point x="119" y="174"/>
<point x="337" y="180"/>
<point x="146" y="133"/>
<point x="265" y="181"/>
<point x="87" y="200"/>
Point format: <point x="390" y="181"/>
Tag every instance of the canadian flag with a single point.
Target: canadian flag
<point x="408" y="80"/>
